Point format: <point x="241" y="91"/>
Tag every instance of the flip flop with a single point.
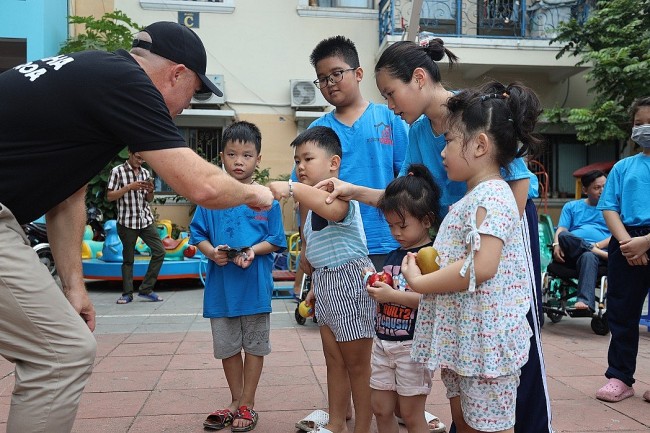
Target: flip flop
<point x="430" y="418"/>
<point x="218" y="419"/>
<point x="152" y="296"/>
<point x="614" y="391"/>
<point x="244" y="412"/>
<point x="124" y="299"/>
<point x="313" y="421"/>
<point x="646" y="396"/>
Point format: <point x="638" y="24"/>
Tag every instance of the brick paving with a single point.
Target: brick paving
<point x="155" y="371"/>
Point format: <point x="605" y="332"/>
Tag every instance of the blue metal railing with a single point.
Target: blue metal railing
<point x="386" y="19"/>
<point x="532" y="19"/>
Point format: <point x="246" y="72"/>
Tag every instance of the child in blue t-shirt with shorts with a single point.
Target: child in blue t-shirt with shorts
<point x="238" y="243"/>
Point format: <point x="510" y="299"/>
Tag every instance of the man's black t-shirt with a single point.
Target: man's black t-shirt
<point x="62" y="119"/>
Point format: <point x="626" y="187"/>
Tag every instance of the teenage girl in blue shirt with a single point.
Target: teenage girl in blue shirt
<point x="626" y="211"/>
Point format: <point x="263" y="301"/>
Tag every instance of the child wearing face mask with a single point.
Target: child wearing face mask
<point x="624" y="206"/>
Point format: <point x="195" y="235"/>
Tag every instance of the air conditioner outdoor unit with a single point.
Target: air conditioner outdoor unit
<point x="305" y="94"/>
<point x="211" y="98"/>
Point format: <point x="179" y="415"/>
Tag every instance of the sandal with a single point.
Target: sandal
<point x="248" y="414"/>
<point x="218" y="419"/>
<point x="615" y="390"/>
<point x="152" y="296"/>
<point x="433" y="422"/>
<point x="646" y="396"/>
<point x="124" y="299"/>
<point x="316" y="419"/>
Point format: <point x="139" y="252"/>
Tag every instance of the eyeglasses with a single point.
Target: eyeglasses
<point x="333" y="78"/>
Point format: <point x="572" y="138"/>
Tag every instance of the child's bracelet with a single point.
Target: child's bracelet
<point x="290" y="188"/>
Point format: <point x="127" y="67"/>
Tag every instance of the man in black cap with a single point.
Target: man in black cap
<point x="62" y="119"/>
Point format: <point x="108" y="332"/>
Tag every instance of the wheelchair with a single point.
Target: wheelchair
<point x="560" y="285"/>
<point x="559" y="292"/>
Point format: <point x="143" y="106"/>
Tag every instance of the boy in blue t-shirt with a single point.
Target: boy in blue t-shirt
<point x="238" y="243"/>
<point x="373" y="138"/>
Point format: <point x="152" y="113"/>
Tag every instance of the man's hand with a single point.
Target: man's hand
<point x="262" y="200"/>
<point x="558" y="254"/>
<point x="337" y="189"/>
<point x="146" y="186"/>
<point x="82" y="304"/>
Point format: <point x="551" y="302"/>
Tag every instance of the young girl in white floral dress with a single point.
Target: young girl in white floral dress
<point x="472" y="317"/>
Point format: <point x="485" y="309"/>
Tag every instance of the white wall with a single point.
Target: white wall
<point x="264" y="44"/>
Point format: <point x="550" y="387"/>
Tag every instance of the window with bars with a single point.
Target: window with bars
<point x="499" y="17"/>
<point x="438" y="16"/>
<point x="206" y="142"/>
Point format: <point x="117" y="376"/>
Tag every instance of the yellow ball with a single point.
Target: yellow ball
<point x="305" y="310"/>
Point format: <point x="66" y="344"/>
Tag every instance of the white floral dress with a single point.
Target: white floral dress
<point x="483" y="331"/>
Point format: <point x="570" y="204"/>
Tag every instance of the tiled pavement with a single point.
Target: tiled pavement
<point x="155" y="371"/>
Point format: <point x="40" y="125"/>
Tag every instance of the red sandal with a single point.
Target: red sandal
<point x="219" y="419"/>
<point x="248" y="414"/>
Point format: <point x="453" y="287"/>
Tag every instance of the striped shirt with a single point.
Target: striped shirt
<point x="335" y="243"/>
<point x="133" y="209"/>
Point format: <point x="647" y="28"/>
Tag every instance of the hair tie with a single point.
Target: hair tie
<point x="410" y="173"/>
<point x="504" y="95"/>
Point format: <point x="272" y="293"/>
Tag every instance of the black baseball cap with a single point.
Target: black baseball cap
<point x="180" y="45"/>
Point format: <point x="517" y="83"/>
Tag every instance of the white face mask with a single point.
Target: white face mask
<point x="641" y="135"/>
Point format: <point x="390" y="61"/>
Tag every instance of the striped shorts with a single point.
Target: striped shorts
<point x="342" y="301"/>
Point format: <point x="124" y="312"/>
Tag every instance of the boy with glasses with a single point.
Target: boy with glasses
<point x="374" y="140"/>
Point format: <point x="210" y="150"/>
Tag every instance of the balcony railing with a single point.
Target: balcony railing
<point x="531" y="19"/>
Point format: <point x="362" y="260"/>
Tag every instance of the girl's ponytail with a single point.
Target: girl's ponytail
<point x="435" y="49"/>
<point x="402" y="58"/>
<point x="525" y="108"/>
<point x="508" y="113"/>
<point x="417" y="194"/>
